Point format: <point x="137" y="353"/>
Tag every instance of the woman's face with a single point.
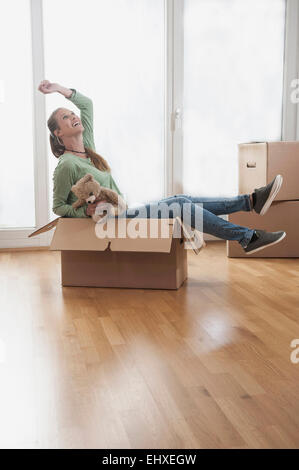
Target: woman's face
<point x="68" y="122"/>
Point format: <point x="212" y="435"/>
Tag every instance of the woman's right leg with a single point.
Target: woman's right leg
<point x="220" y="205"/>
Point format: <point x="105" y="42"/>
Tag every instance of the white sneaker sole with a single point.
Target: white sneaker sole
<point x="266" y="246"/>
<point x="275" y="188"/>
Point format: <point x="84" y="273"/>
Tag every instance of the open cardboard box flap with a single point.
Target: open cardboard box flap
<point x="82" y="234"/>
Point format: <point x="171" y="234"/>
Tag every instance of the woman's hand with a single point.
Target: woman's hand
<point x="90" y="209"/>
<point x="47" y="87"/>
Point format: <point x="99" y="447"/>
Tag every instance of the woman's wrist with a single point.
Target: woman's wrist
<point x="67" y="92"/>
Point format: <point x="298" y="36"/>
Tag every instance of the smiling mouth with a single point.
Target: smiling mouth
<point x="76" y="124"/>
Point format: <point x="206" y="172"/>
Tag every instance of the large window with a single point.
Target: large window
<point x="17" y="206"/>
<point x="113" y="52"/>
<point x="233" y="84"/>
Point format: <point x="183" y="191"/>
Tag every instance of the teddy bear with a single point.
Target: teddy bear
<point x="87" y="189"/>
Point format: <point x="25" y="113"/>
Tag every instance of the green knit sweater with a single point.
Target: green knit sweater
<point x="71" y="168"/>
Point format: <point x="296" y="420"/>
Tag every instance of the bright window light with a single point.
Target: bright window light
<point x="16" y="116"/>
<point x="113" y="52"/>
<point x="233" y="82"/>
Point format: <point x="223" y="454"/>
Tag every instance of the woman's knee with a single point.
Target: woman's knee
<point x="183" y="196"/>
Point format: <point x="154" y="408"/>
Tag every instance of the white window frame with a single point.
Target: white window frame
<point x="174" y="95"/>
<point x="174" y="61"/>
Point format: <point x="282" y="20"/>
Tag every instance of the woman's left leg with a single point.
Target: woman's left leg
<point x="219" y="205"/>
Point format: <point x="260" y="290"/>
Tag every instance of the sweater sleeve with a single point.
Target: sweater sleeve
<point x="86" y="114"/>
<point x="64" y="177"/>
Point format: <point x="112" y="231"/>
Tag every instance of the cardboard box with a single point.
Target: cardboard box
<point x="259" y="163"/>
<point x="118" y="260"/>
<point x="280" y="216"/>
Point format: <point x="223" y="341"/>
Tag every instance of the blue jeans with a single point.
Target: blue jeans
<point x="206" y="212"/>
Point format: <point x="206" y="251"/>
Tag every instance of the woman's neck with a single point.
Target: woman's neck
<point x="75" y="145"/>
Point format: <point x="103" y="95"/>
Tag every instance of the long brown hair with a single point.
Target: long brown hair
<point x="58" y="149"/>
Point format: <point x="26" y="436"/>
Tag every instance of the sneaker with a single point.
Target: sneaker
<point x="263" y="239"/>
<point x="197" y="241"/>
<point x="265" y="195"/>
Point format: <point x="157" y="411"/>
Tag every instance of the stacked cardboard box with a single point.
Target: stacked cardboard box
<point x="259" y="163"/>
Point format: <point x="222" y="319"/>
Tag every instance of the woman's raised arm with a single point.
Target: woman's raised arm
<point x="47" y="87"/>
<point x="81" y="101"/>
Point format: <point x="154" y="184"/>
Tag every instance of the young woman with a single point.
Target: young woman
<point x="72" y="141"/>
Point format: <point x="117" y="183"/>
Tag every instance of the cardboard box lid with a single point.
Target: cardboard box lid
<point x="45" y="228"/>
<point x="270" y="142"/>
<point x="82" y="234"/>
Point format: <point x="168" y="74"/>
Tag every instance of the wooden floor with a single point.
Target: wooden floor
<point x="207" y="366"/>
